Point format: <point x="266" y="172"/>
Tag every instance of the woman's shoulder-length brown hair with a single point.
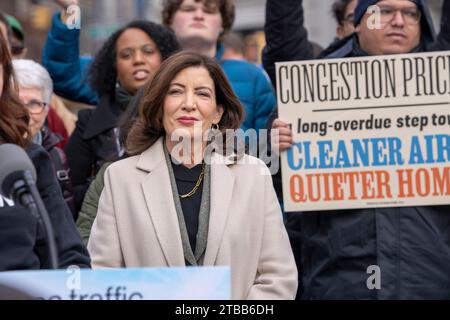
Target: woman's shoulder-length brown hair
<point x="13" y="115"/>
<point x="149" y="126"/>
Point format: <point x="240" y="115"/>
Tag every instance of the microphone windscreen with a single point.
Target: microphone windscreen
<point x="13" y="160"/>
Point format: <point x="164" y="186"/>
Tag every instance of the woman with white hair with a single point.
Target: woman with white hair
<point x="35" y="91"/>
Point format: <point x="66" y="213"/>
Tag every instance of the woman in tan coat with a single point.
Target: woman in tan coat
<point x="185" y="199"/>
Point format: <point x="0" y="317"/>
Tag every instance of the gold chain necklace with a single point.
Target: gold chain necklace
<point x="197" y="184"/>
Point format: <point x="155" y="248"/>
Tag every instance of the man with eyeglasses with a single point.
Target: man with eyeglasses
<point x="399" y="31"/>
<point x="410" y="245"/>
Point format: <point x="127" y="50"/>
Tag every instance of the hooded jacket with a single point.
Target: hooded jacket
<point x="287" y="37"/>
<point x="428" y="42"/>
<point x="337" y="251"/>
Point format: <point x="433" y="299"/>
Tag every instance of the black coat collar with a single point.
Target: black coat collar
<point x="104" y="117"/>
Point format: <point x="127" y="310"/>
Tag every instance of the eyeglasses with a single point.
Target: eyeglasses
<point x="36" y="106"/>
<point x="410" y="15"/>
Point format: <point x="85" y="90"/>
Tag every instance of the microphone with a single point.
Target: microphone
<point x="17" y="182"/>
<point x="15" y="163"/>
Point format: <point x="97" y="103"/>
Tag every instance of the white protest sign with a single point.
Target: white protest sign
<point x="368" y="132"/>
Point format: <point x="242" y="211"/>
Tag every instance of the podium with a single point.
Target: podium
<point x="189" y="283"/>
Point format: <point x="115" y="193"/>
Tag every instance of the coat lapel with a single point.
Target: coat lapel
<point x="158" y="196"/>
<point x="222" y="182"/>
<point x="104" y="117"/>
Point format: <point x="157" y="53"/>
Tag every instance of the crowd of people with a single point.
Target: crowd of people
<point x="133" y="182"/>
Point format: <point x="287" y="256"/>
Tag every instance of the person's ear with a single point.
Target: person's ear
<point x="340" y="32"/>
<point x="219" y="114"/>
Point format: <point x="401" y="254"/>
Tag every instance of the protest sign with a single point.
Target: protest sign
<point x="368" y="132"/>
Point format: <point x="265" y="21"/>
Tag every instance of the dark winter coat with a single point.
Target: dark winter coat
<point x="22" y="241"/>
<point x="94" y="141"/>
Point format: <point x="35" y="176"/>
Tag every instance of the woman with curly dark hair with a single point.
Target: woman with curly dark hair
<point x="127" y="60"/>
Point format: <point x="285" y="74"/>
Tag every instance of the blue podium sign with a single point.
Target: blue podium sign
<point x="192" y="283"/>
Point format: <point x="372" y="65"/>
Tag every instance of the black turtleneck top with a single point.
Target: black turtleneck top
<point x="186" y="179"/>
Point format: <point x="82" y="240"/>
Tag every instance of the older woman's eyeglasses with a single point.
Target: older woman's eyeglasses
<point x="36" y="106"/>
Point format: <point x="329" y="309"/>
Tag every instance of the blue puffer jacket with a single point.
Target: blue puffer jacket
<point x="253" y="89"/>
<point x="61" y="57"/>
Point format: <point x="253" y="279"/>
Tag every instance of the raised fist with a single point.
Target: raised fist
<point x="65" y="14"/>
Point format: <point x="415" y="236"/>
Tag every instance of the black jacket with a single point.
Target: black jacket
<point x="60" y="166"/>
<point x="94" y="141"/>
<point x="334" y="249"/>
<point x="286" y="36"/>
<point x="22" y="242"/>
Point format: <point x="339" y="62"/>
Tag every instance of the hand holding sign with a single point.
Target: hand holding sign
<point x="281" y="136"/>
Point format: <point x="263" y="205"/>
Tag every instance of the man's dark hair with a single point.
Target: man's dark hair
<point x="226" y="9"/>
<point x="338" y="10"/>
